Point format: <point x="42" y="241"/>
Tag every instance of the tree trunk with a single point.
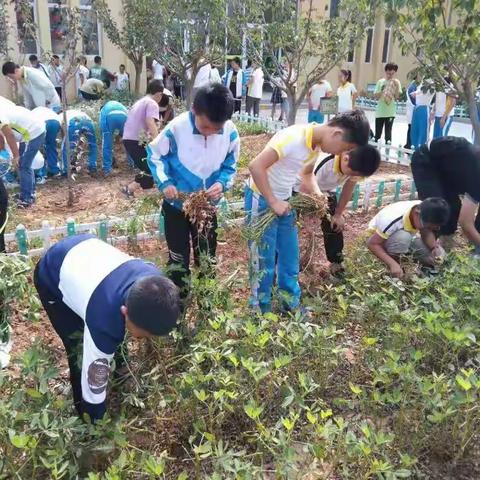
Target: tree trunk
<point x="138" y="76"/>
<point x="473" y="109"/>
<point x="189" y="92"/>
<point x="292" y="111"/>
<point x="70" y="194"/>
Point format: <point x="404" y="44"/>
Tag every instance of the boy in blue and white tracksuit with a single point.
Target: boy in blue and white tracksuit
<point x="443" y="113"/>
<point x="79" y="123"/>
<point x="196" y="151"/>
<point x="52" y="129"/>
<point x="113" y="116"/>
<point x="92" y="293"/>
<point x="421" y="117"/>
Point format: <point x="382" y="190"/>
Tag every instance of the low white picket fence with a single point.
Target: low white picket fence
<point x="34" y="242"/>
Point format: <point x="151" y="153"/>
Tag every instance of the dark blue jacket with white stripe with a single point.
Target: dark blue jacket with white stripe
<point x="93" y="279"/>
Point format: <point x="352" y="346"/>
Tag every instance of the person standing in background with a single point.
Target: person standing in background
<point x="319" y="90"/>
<point x="35" y="63"/>
<point x="235" y="83"/>
<point x="81" y="74"/>
<point x="247" y="73"/>
<point x="101" y="73"/>
<point x="38" y="90"/>
<point x="387" y="91"/>
<point x="56" y="74"/>
<point x="346" y="92"/>
<point x="159" y="71"/>
<point x="421" y="116"/>
<point x="276" y="98"/>
<point x="122" y="83"/>
<point x="442" y="112"/>
<point x="255" y="90"/>
<point x="411" y="102"/>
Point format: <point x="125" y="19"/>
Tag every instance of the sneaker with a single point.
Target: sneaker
<point x="21" y="204"/>
<point x="54" y="175"/>
<point x="40" y="180"/>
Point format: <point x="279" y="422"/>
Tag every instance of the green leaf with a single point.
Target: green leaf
<point x="33" y="392"/>
<point x="18" y="440"/>
<point x="463" y="382"/>
<point x="253" y="410"/>
<point x="355" y="389"/>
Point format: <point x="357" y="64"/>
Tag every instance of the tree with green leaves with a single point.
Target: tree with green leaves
<point x="138" y="30"/>
<point x="299" y="44"/>
<point x="191" y="38"/>
<point x="444" y="38"/>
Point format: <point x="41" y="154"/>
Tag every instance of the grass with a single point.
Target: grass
<point x="382" y="383"/>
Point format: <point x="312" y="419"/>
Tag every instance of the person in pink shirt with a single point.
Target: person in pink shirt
<point x="140" y="128"/>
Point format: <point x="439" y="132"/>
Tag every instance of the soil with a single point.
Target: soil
<point x="97" y="196"/>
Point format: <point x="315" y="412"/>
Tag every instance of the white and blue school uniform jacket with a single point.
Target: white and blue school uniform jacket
<point x="181" y="156"/>
<point x="93" y="279"/>
<point x="421" y="118"/>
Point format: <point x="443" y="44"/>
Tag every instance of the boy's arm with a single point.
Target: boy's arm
<point x="376" y="245"/>
<point x="159" y="152"/>
<point x="309" y="183"/>
<point x="12" y="143"/>
<point x="338" y="221"/>
<point x="378" y="90"/>
<point x="467" y="220"/>
<point x="228" y="169"/>
<point x="258" y="168"/>
<point x="151" y="127"/>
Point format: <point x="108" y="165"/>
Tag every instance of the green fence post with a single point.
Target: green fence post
<point x="71" y="229"/>
<point x="413" y="191"/>
<point x="103" y="228"/>
<point x="398" y="187"/>
<point x="21" y="236"/>
<point x="381" y="189"/>
<point x="355" y="197"/>
<point x="400" y="154"/>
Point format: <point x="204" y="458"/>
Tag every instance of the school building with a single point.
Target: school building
<point x="49" y="37"/>
<point x="366" y="61"/>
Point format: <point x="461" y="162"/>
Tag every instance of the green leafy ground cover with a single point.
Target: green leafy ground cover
<point x="381" y="383"/>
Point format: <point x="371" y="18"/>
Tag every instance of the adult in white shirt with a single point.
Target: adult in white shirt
<point x="319" y="90"/>
<point x="56" y="73"/>
<point x="421" y="116"/>
<point x="346" y="92"/>
<point x="81" y="74"/>
<point x="20" y="125"/>
<point x="158" y="70"/>
<point x="255" y="90"/>
<point x="38" y="90"/>
<point x="442" y="112"/>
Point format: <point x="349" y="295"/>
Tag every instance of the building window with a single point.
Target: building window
<point x="386" y="45"/>
<point x="368" y="50"/>
<point x="58" y="26"/>
<point x="26" y="21"/>
<point x="90" y="29"/>
<point x="334" y="4"/>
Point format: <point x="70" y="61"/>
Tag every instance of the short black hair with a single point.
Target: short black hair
<point x="155" y="86"/>
<point x="97" y="59"/>
<point x="122" y="65"/>
<point x="32" y="58"/>
<point x="215" y="101"/>
<point x="236" y="60"/>
<point x="434" y="210"/>
<point x="9" y="68"/>
<point x="391" y="66"/>
<point x="364" y="160"/>
<point x="164" y="101"/>
<point x="56" y="57"/>
<point x="249" y="63"/>
<point x="355" y="126"/>
<point x="153" y="304"/>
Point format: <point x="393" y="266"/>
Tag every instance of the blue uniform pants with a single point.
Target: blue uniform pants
<point x="438" y="131"/>
<point x="52" y="127"/>
<point x="76" y="128"/>
<point x="277" y="252"/>
<point x="314" y="116"/>
<point x="420" y="126"/>
<point x="109" y="124"/>
<point x="26" y="176"/>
